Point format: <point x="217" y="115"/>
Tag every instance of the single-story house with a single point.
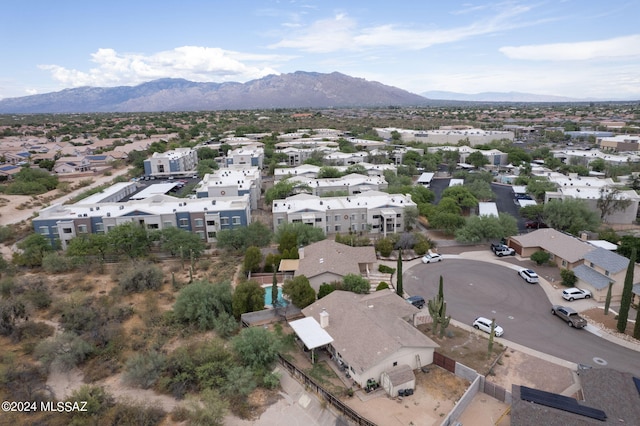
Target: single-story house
<point x="605" y="393"/>
<point x="372" y="333"/>
<point x="327" y="261"/>
<point x="601" y="267"/>
<point x="565" y="250"/>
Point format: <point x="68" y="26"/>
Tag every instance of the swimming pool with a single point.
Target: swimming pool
<point x="267" y="296"/>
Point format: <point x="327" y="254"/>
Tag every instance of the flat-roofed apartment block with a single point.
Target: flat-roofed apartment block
<point x="177" y="162"/>
<point x="232" y="182"/>
<point x="619" y="143"/>
<point x="447" y="135"/>
<point x="246" y="156"/>
<point x="373" y="211"/>
<point x="311" y="171"/>
<point x="350" y="184"/>
<point x="204" y="216"/>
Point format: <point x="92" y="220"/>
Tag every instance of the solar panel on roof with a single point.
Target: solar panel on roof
<point x="560" y="402"/>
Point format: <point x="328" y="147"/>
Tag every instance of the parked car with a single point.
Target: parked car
<point x="431" y="258"/>
<point x="569" y="315"/>
<point x="484" y="324"/>
<point x="571" y="294"/>
<point x="528" y="275"/>
<point x="417" y="301"/>
<point x="502" y="250"/>
<point x="533" y="224"/>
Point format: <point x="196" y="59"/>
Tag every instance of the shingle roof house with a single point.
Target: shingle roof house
<point x="372" y="333"/>
<point x="565" y="250"/>
<point x="327" y="261"/>
<point x="599" y="268"/>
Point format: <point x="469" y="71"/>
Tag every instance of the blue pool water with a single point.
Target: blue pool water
<point x="267" y="296"/>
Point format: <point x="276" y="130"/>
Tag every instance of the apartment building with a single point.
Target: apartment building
<point x="177" y="162"/>
<point x="232" y="182"/>
<point x="350" y="184"/>
<point x="447" y="136"/>
<point x="619" y="143"/>
<point x="373" y="211"/>
<point x="245" y="156"/>
<point x="204" y="216"/>
<point x="310" y="171"/>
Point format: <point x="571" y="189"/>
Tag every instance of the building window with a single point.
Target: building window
<point x="67" y="231"/>
<point x="82" y="229"/>
<point x="199" y="223"/>
<point x="200" y="234"/>
<point x="606" y="273"/>
<point x="336" y="218"/>
<point x="211" y="223"/>
<point x="363" y="216"/>
<point x="564" y="263"/>
<point x="44" y="230"/>
<point x="99" y="228"/>
<point x="167" y="224"/>
<point x="364" y="226"/>
<point x="184" y="222"/>
<point x="224" y="221"/>
<point x="211" y="234"/>
<point x="328" y="218"/>
<point x="153" y="226"/>
<point x="337" y="228"/>
<point x="236" y="220"/>
<point x="353" y="216"/>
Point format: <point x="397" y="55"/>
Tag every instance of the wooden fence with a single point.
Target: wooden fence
<point x="324" y="394"/>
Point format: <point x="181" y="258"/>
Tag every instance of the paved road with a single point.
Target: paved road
<point x="474" y="288"/>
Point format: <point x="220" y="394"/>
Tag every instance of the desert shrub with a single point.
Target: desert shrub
<point x="133" y="415"/>
<point x="382" y="286"/>
<point x="225" y="325"/>
<point x="98" y="402"/>
<point x="143" y="370"/>
<point x="7" y="284"/>
<point x="569" y="278"/>
<point x="384" y="246"/>
<point x="325" y="289"/>
<point x="200" y="303"/>
<point x="210" y="410"/>
<point x="384" y="269"/>
<point x="271" y="380"/>
<point x="23" y="381"/>
<point x="34" y="289"/>
<point x="140" y="277"/>
<point x="63" y="352"/>
<point x="100" y="367"/>
<point x="55" y="263"/>
<point x="12" y="311"/>
<point x="32" y="330"/>
<point x="256" y="347"/>
<point x="356" y="284"/>
<point x="540" y="257"/>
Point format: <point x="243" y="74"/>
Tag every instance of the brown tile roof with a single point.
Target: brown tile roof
<point x="565" y="246"/>
<point x="340" y="259"/>
<point x="369" y="328"/>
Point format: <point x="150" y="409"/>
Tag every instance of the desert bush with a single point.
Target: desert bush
<point x="271" y="380"/>
<point x="98" y="402"/>
<point x="34" y="289"/>
<point x="64" y="351"/>
<point x="133" y="415"/>
<point x="143" y="370"/>
<point x="32" y="330"/>
<point x="382" y="286"/>
<point x="12" y="311"/>
<point x="384" y="246"/>
<point x="540" y="257"/>
<point x="55" y="263"/>
<point x="23" y="381"/>
<point x="569" y="278"/>
<point x="225" y="325"/>
<point x="209" y="410"/>
<point x="201" y="302"/>
<point x="256" y="347"/>
<point x="140" y="277"/>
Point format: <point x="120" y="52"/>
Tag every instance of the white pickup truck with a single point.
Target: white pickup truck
<point x="502" y="250"/>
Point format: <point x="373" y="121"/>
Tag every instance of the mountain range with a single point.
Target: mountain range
<point x="295" y="90"/>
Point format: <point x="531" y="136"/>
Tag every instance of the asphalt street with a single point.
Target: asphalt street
<point x="474" y="288"/>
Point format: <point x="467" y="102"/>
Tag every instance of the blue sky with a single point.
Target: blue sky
<point x="574" y="48"/>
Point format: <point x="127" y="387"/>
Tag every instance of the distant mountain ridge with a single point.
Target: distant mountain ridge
<point x="295" y="90"/>
<point x="510" y="97"/>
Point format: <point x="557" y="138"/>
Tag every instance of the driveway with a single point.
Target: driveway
<point x="493" y="289"/>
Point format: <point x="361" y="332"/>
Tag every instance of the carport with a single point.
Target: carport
<point x="311" y="333"/>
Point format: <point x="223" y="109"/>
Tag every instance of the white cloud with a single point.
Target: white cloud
<point x="343" y="33"/>
<point x="618" y="47"/>
<point x="193" y="63"/>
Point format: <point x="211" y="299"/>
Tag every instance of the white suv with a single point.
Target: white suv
<point x="484" y="324"/>
<point x="575" y="293"/>
<point x="528" y="275"/>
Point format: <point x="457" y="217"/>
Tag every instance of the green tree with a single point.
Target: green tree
<point x="201" y="302"/>
<point x="611" y="201"/>
<point x="299" y="291"/>
<point x="481" y="190"/>
<point x="12" y="311"/>
<point x="34" y="248"/>
<point x="304" y="235"/>
<point x="570" y="215"/>
<point x="355" y="283"/>
<point x="89" y="245"/>
<point x="209" y="409"/>
<point x="461" y="195"/>
<point x="247" y="297"/>
<point x="540" y="257"/>
<point x="139" y="277"/>
<point x="180" y="242"/>
<point x="129" y="239"/>
<point x="539" y="186"/>
<point x="252" y="259"/>
<point x="448" y="222"/>
<point x="256" y="347"/>
<point x="410" y="217"/>
<point x="477" y="159"/>
<point x="399" y="289"/>
<point x="534" y="212"/>
<point x="569" y="278"/>
<point x="329" y="172"/>
<point x="255" y="234"/>
<point x="384" y="246"/>
<point x="325" y="289"/>
<point x="283" y="189"/>
<point x="421" y="195"/>
<point x="627" y="294"/>
<point x="485" y="228"/>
